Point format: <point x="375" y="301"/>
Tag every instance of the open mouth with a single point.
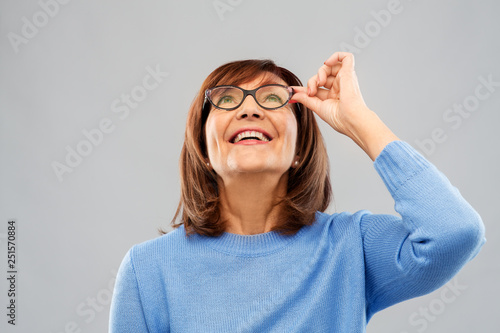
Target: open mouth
<point x="250" y="135"/>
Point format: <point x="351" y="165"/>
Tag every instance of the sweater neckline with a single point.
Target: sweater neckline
<point x="249" y="245"/>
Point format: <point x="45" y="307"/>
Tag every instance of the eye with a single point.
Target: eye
<point x="273" y="98"/>
<point x="225" y="99"/>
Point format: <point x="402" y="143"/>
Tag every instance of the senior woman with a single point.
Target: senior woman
<point x="254" y="250"/>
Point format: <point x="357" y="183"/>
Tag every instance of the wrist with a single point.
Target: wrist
<point x="357" y="118"/>
<point x="368" y="131"/>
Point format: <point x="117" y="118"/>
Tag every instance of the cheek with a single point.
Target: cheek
<point x="290" y="130"/>
<point x="209" y="132"/>
<point x="213" y="129"/>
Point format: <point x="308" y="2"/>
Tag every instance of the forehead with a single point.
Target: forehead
<point x="257" y="81"/>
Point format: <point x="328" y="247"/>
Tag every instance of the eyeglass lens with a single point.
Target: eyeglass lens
<point x="266" y="96"/>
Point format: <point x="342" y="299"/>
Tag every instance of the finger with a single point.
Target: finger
<point x="321" y="108"/>
<point x="298" y="89"/>
<point x="335" y="69"/>
<point x="323" y="73"/>
<point x="312" y="103"/>
<point x="330" y="70"/>
<point x="322" y="94"/>
<point x="326" y="72"/>
<point x="345" y="58"/>
<point x="336" y="85"/>
<point x="330" y="81"/>
<point x="312" y="85"/>
<point x="348" y="82"/>
<point x="332" y="86"/>
<point x="346" y="75"/>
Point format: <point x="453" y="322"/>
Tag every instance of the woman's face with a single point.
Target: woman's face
<point x="229" y="158"/>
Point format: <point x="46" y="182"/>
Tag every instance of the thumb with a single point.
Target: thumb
<point x="301" y="96"/>
<point x="315" y="104"/>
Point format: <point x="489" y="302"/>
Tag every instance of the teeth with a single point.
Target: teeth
<point x="251" y="134"/>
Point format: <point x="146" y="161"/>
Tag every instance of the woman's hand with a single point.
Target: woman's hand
<point x="341" y="105"/>
<point x="340" y="100"/>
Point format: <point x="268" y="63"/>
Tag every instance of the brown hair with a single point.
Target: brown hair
<point x="308" y="188"/>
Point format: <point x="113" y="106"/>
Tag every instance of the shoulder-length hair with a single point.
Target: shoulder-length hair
<point x="308" y="188"/>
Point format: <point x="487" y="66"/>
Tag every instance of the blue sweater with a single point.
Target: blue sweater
<point x="331" y="276"/>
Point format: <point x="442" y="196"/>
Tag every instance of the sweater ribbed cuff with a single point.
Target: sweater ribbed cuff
<point x="399" y="162"/>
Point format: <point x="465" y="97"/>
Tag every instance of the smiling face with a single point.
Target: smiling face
<point x="251" y="139"/>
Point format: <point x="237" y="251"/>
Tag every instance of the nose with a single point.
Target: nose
<point x="249" y="109"/>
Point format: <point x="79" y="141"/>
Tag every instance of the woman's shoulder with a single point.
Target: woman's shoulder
<point x="362" y="220"/>
<point x="170" y="242"/>
<point x="342" y="222"/>
<point x="342" y="218"/>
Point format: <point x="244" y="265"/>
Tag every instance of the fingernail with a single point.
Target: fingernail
<point x="292" y="101"/>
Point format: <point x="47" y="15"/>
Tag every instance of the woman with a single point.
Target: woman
<point x="254" y="251"/>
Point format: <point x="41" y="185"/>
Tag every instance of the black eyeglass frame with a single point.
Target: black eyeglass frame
<point x="245" y="94"/>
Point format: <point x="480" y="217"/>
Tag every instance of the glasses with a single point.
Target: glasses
<point x="269" y="96"/>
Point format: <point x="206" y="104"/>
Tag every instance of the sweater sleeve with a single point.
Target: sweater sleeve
<point x="126" y="312"/>
<point x="437" y="234"/>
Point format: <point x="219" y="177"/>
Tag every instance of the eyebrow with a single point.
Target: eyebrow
<point x="270" y="78"/>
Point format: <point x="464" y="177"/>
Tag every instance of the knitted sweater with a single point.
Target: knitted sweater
<point x="331" y="276"/>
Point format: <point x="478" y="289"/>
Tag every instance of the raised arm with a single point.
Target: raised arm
<point x="437" y="234"/>
<point x="438" y="231"/>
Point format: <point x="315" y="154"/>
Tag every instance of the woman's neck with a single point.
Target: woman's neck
<point x="248" y="202"/>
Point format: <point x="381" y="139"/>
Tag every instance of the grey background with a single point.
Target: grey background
<point x="72" y="234"/>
